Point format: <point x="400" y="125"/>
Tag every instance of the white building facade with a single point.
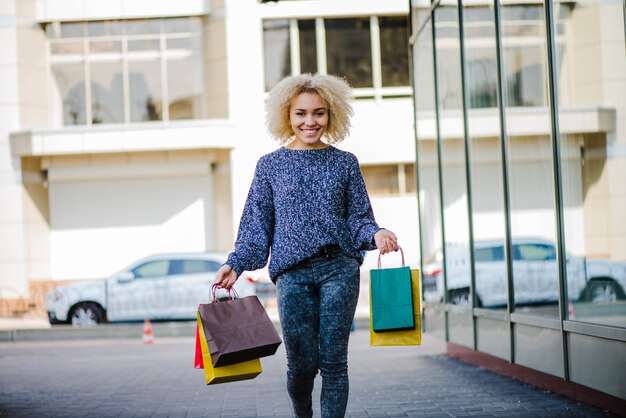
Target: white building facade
<point x="133" y="127"/>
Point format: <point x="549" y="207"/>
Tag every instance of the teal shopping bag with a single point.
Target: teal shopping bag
<point x="392" y="298"/>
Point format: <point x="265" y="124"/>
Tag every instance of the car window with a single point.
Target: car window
<point x="150" y="269"/>
<point x="534" y="252"/>
<point x="194" y="266"/>
<point x="487" y="254"/>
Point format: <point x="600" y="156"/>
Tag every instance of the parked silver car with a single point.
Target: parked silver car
<point x="535" y="275"/>
<point x="159" y="287"/>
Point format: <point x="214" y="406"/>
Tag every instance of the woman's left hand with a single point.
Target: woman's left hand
<point x="386" y="241"/>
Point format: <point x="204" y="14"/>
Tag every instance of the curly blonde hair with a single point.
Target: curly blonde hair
<point x="335" y="92"/>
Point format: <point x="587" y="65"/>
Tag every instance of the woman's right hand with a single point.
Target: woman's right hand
<point x="225" y="277"/>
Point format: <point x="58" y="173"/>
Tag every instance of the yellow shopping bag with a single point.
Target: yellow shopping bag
<point x="402" y="337"/>
<point x="214" y="375"/>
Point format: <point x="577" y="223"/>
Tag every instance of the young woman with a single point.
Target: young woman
<point x="309" y="208"/>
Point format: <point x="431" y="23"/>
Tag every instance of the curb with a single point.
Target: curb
<point x="178" y="329"/>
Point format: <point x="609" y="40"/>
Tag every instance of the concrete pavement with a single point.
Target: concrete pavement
<point x="122" y="377"/>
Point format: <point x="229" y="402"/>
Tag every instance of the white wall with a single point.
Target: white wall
<point x="100" y="225"/>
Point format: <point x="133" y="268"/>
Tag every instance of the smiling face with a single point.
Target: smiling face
<point x="308" y="116"/>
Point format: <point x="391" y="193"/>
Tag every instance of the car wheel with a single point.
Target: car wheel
<point x="86" y="314"/>
<point x="459" y="296"/>
<point x="603" y="291"/>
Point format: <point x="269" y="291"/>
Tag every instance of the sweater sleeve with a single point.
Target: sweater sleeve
<point x="360" y="215"/>
<point x="256" y="228"/>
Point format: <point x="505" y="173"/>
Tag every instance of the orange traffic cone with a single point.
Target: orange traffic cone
<point x="148" y="337"/>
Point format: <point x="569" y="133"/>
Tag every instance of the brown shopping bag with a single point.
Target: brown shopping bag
<point x="215" y="375"/>
<point x="238" y="330"/>
<point x="402" y="337"/>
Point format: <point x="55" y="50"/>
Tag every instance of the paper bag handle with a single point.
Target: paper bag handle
<point x="232" y="296"/>
<point x="380" y="254"/>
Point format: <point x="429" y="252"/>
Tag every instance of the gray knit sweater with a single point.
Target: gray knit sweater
<point x="299" y="202"/>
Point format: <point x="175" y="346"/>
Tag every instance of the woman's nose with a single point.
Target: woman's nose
<point x="309" y="120"/>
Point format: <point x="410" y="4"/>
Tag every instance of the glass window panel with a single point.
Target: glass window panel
<point x="69" y="88"/>
<point x="144" y="45"/>
<point x="105" y="28"/>
<point x="186" y="43"/>
<point x="183" y="25"/>
<point x="526" y="75"/>
<point x="448" y="58"/>
<point x="308" y="46"/>
<point x="381" y="179"/>
<point x="276" y="51"/>
<point x="144" y="83"/>
<point x="455" y="216"/>
<point x="98" y="47"/>
<point x="185" y="87"/>
<point x="107" y="92"/>
<point x="431" y="240"/>
<point x="394" y="51"/>
<point x="592" y="176"/>
<point x="53" y="30"/>
<point x="143" y="26"/>
<point x="349" y="50"/>
<point x="482" y="77"/>
<point x="485" y="161"/>
<point x="531" y="181"/>
<point x="73" y="30"/>
<point x="67" y="47"/>
<point x="523" y="21"/>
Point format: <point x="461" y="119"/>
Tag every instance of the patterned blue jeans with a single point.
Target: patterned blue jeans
<point x="316" y="303"/>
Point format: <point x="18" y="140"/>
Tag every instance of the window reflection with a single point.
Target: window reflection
<point x="69" y="87"/>
<point x="485" y="160"/>
<point x="105" y="28"/>
<point x="525" y="75"/>
<point x="72" y="30"/>
<point x="531" y="181"/>
<point x="429" y="199"/>
<point x="107" y="92"/>
<point x="590" y="172"/>
<point x="150" y="49"/>
<point x="185" y="87"/>
<point x="349" y="51"/>
<point x="277" y="55"/>
<point x="143" y="26"/>
<point x="144" y="79"/>
<point x="393" y="51"/>
<point x="308" y="46"/>
<point x="455" y="216"/>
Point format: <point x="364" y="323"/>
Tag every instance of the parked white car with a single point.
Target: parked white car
<point x="535" y="275"/>
<point x="159" y="287"/>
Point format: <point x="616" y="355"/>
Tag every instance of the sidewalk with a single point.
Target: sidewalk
<point x="126" y="378"/>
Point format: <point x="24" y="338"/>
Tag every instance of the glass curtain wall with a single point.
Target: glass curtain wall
<point x="543" y="116"/>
